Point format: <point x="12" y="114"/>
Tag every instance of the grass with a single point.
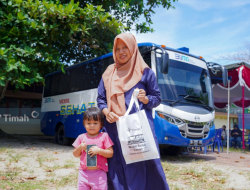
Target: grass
<point x="194" y="176"/>
<point x="246" y="174"/>
<point x="41" y="159"/>
<point x="16" y="157"/>
<point x="11" y="173"/>
<point x="232" y="149"/>
<point x="65" y="166"/>
<point x="11" y="185"/>
<point x="3" y="149"/>
<point x="182" y="172"/>
<point x="181" y="158"/>
<point x="69" y="164"/>
<point x="67" y="180"/>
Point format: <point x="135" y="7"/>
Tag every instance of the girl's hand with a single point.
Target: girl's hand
<point x="93" y="151"/>
<point x="112" y="117"/>
<point x="142" y="96"/>
<point x="83" y="145"/>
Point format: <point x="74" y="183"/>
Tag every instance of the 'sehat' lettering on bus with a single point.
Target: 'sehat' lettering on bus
<point x="70" y="109"/>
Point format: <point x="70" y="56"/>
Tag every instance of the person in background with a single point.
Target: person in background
<point x="236" y="134"/>
<point x="224" y="135"/>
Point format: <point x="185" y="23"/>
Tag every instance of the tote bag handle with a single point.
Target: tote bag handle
<point x="132" y="101"/>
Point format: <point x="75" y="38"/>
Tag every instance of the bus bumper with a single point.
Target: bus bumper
<point x="169" y="134"/>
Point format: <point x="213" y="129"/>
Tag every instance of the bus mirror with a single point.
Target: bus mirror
<point x="203" y="85"/>
<point x="202" y="82"/>
<point x="165" y="63"/>
<point x="218" y="73"/>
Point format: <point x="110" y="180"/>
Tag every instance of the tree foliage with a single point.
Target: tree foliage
<point x="37" y="36"/>
<point x="130" y="11"/>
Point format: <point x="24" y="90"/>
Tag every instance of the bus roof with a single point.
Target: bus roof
<point x="110" y="54"/>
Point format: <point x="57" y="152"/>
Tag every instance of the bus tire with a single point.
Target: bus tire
<point x="60" y="134"/>
<point x="172" y="150"/>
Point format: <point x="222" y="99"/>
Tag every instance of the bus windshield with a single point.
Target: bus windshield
<point x="184" y="79"/>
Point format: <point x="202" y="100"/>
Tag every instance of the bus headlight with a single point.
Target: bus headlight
<point x="170" y="119"/>
<point x="210" y="124"/>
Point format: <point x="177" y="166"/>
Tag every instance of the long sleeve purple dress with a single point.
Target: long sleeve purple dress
<point x="145" y="175"/>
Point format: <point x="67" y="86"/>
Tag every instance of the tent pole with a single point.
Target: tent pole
<point x="228" y="107"/>
<point x="243" y="121"/>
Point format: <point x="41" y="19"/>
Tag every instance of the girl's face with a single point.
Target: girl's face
<point x="92" y="127"/>
<point x="122" y="52"/>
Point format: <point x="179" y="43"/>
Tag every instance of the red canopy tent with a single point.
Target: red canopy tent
<point x="240" y="79"/>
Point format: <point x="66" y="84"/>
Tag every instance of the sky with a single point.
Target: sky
<point x="209" y="28"/>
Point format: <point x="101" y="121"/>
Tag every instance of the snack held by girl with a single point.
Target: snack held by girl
<point x="93" y="148"/>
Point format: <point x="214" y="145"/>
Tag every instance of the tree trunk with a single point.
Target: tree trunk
<point x="3" y="89"/>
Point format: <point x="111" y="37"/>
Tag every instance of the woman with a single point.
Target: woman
<point x="114" y="93"/>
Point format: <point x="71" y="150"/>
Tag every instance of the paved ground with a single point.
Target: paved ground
<point x="36" y="162"/>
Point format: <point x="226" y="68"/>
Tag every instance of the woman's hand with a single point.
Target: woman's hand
<point x="142" y="96"/>
<point x="112" y="117"/>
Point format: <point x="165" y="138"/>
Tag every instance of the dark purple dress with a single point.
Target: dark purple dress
<point x="145" y="175"/>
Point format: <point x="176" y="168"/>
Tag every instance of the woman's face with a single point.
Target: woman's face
<point x="122" y="52"/>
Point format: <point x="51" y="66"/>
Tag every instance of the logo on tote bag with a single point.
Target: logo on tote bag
<point x="136" y="126"/>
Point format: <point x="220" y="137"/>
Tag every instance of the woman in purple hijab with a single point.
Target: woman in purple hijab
<point x="144" y="175"/>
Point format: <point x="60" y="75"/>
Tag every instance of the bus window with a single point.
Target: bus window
<point x="106" y="62"/>
<point x="146" y="54"/>
<point x="63" y="84"/>
<point x="54" y="85"/>
<point x="85" y="77"/>
<point x="46" y="92"/>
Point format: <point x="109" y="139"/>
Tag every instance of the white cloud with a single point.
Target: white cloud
<point x="236" y="3"/>
<point x="201" y="5"/>
<point x="183" y="26"/>
<point x="166" y="23"/>
<point x="197" y="4"/>
<point x="211" y="22"/>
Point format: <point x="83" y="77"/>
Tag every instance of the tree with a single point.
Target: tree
<point x="242" y="54"/>
<point x="129" y="11"/>
<point x="37" y="36"/>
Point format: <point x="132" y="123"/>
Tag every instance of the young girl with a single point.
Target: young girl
<point x="94" y="177"/>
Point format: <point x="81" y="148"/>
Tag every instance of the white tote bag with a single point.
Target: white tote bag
<point x="135" y="134"/>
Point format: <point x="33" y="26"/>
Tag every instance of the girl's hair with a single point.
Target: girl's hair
<point x="95" y="114"/>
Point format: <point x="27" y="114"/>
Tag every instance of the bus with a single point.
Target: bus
<point x="184" y="118"/>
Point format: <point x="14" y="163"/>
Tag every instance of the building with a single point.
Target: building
<point x="20" y="109"/>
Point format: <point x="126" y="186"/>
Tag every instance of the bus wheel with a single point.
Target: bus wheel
<point x="172" y="150"/>
<point x="61" y="139"/>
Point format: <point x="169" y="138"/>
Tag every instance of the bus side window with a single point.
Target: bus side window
<point x="106" y="62"/>
<point x="96" y="73"/>
<point x="63" y="84"/>
<point x="147" y="58"/>
<point x="55" y="80"/>
<point x="146" y="54"/>
<point x="46" y="92"/>
<point x="85" y="77"/>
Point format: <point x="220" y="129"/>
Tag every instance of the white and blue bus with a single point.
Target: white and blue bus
<point x="184" y="118"/>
